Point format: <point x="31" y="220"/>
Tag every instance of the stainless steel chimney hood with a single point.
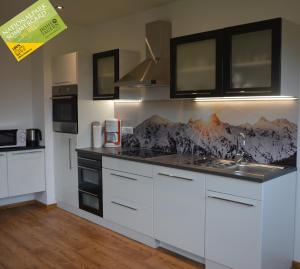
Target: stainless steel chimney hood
<point x="154" y="71"/>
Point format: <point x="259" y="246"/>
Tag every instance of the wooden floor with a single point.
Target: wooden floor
<point x="32" y="237"/>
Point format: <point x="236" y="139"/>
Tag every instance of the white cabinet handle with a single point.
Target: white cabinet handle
<point x="177" y="177"/>
<point x="123" y="205"/>
<point x="27" y="152"/>
<point x="230" y="201"/>
<point x="117" y="175"/>
<point x="70" y="155"/>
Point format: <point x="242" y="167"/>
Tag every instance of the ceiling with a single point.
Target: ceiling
<point x="84" y="12"/>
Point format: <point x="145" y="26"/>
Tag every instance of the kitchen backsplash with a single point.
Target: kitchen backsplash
<point x="213" y="128"/>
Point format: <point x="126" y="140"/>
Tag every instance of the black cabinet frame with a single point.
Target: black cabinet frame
<point x="223" y="39"/>
<point x="275" y="26"/>
<point x="217" y="35"/>
<point x="111" y="53"/>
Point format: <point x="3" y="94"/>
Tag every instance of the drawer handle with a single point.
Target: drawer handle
<point x="1" y="155"/>
<point x="126" y="206"/>
<point x="87" y="168"/>
<point x="28" y="152"/>
<point x="88" y="193"/>
<point x="131" y="178"/>
<point x="230" y="201"/>
<point x="87" y="159"/>
<point x="177" y="177"/>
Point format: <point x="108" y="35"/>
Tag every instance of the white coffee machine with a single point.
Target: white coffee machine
<point x="112" y="133"/>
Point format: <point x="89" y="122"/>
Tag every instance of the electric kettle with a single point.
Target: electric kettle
<point x="33" y="137"/>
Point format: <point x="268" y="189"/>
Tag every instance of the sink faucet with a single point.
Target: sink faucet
<point x="240" y="151"/>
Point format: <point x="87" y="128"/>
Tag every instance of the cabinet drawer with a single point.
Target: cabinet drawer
<point x="127" y="187"/>
<point x="130" y="215"/>
<point x="127" y="166"/>
<point x="234" y="186"/>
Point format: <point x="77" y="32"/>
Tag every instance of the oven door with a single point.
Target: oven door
<point x="8" y="138"/>
<point x="89" y="180"/>
<point x="65" y="114"/>
<point x="90" y="203"/>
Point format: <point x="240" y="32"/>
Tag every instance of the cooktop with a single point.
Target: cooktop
<point x="144" y="153"/>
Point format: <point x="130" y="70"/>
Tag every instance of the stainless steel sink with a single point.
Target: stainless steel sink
<point x="245" y="169"/>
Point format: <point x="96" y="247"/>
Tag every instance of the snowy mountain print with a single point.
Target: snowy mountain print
<point x="266" y="141"/>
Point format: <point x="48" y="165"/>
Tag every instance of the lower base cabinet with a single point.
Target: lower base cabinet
<point x="3" y="176"/>
<point x="179" y="206"/>
<point x="26" y="172"/>
<point x="233" y="231"/>
<point x="128" y="200"/>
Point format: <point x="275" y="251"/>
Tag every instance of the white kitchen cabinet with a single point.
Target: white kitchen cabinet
<point x="64" y="69"/>
<point x="3" y="176"/>
<point x="65" y="165"/>
<point x="179" y="206"/>
<point x="128" y="199"/>
<point x="233" y="230"/>
<point x="26" y="172"/>
<point x="249" y="225"/>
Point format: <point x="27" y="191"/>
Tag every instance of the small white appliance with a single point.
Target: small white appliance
<point x="112" y="133"/>
<point x="12" y="138"/>
<point x="97" y="134"/>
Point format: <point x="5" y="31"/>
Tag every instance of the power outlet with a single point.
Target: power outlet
<point x="127" y="130"/>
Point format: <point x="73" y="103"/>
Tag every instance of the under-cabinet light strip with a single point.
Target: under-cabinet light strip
<point x="128" y="101"/>
<point x="246" y="98"/>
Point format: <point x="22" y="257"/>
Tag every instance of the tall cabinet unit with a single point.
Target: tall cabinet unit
<point x="65" y="72"/>
<point x="3" y="176"/>
<point x="196" y="65"/>
<point x="65" y="163"/>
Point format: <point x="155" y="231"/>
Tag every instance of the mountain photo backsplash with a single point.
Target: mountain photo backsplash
<point x="267" y="141"/>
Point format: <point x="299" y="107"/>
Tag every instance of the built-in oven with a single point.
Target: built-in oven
<point x="65" y="109"/>
<point x="90" y="183"/>
<point x="12" y="138"/>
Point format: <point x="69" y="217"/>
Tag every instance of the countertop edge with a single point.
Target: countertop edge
<point x="193" y="169"/>
<point x="21" y="148"/>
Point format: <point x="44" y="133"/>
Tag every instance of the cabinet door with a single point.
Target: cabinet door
<point x="66" y="174"/>
<point x="64" y="69"/>
<point x="233" y="231"/>
<point x="196" y="65"/>
<point x="105" y="74"/>
<point x="179" y="208"/>
<point x="26" y="172"/>
<point x="252" y="59"/>
<point x="3" y="176"/>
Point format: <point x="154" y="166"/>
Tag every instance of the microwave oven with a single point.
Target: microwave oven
<point x="12" y="138"/>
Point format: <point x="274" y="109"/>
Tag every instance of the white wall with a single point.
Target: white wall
<point x="192" y="16"/>
<point x="15" y="91"/>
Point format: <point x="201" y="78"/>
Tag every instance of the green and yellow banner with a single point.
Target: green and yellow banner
<point x="31" y="29"/>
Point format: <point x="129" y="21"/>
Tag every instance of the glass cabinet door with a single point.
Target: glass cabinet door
<point x="252" y="59"/>
<point x="106" y="73"/>
<point x="195" y="65"/>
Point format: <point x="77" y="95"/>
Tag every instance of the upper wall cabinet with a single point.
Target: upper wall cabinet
<point x="64" y="69"/>
<point x="252" y="59"/>
<point x="196" y="63"/>
<point x="105" y="74"/>
<point x="255" y="59"/>
<point x="108" y="67"/>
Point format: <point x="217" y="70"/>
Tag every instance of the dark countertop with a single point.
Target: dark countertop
<point x="186" y="162"/>
<point x="20" y="148"/>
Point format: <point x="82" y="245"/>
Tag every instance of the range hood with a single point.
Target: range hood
<point x="154" y="71"/>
